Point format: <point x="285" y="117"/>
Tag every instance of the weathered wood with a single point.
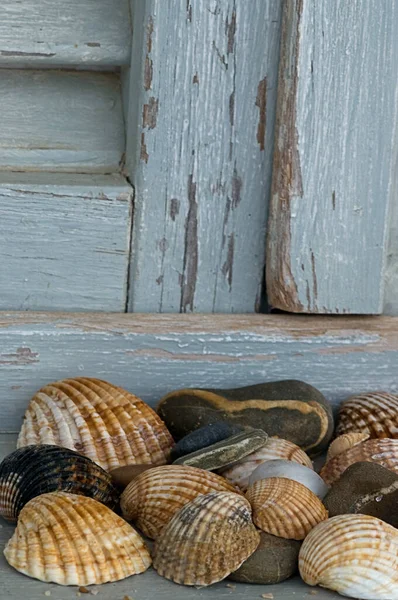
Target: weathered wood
<point x="199" y="148"/>
<point x="391" y="259"/>
<point x="333" y="156"/>
<point x="61" y="120"/>
<point x="64" y="241"/>
<point x="82" y="33"/>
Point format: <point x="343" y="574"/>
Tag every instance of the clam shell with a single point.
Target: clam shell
<point x="344" y="442"/>
<point x="285" y="508"/>
<point x="206" y="540"/>
<point x="100" y="420"/>
<point x="375" y="413"/>
<point x="35" y="470"/>
<point x="355" y="555"/>
<point x="291" y="470"/>
<point x="153" y="497"/>
<point x="274" y="449"/>
<point x="383" y="452"/>
<point x="73" y="540"/>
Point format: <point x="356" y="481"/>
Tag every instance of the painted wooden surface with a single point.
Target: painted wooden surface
<point x="60" y="120"/>
<point x="64" y="241"/>
<point x="199" y="148"/>
<point x="391" y="259"/>
<point x="80" y="33"/>
<point x="333" y="156"/>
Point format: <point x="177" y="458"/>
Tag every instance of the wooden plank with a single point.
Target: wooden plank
<point x="154" y="354"/>
<point x="81" y="33"/>
<point x="333" y="158"/>
<point x="391" y="258"/>
<point x="64" y="241"/>
<point x="61" y="121"/>
<point x="199" y="148"/>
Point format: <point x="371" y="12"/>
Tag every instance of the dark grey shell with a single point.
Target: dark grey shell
<point x="34" y="470"/>
<point x="203" y="437"/>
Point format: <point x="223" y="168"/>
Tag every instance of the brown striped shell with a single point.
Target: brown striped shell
<point x="381" y="451"/>
<point x="345" y="442"/>
<point x="375" y="413"/>
<point x="285" y="508"/>
<point x="275" y="448"/>
<point x="73" y="540"/>
<point x="100" y="420"/>
<point x="206" y="540"/>
<point x="153" y="497"/>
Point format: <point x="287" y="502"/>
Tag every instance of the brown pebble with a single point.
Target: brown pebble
<point x="127" y="598"/>
<point x="122" y="476"/>
<point x="267" y="596"/>
<point x="83" y="590"/>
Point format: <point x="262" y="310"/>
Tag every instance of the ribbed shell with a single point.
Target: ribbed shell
<point x="206" y="540"/>
<point x="375" y="413"/>
<point x="35" y="470"/>
<point x="106" y="423"/>
<point x="355" y="555"/>
<point x="153" y="497"/>
<point x="383" y="452"/>
<point x="274" y="449"/>
<point x="285" y="508"/>
<point x="290" y="470"/>
<point x="345" y="442"/>
<point x="72" y="540"/>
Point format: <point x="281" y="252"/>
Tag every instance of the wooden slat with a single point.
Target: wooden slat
<point x="199" y="147"/>
<point x="64" y="241"/>
<point x="68" y="33"/>
<point x="60" y="121"/>
<point x="333" y="156"/>
<point x="391" y="259"/>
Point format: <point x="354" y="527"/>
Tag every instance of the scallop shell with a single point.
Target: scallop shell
<point x="153" y="497"/>
<point x="383" y="452"/>
<point x="73" y="540"/>
<point x="206" y="540"/>
<point x="275" y="448"/>
<point x="355" y="555"/>
<point x="344" y="442"/>
<point x="35" y="470"/>
<point x="100" y="420"/>
<point x="285" y="508"/>
<point x="290" y="470"/>
<point x="375" y="413"/>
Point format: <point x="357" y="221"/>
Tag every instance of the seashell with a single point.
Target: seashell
<point x="344" y="442"/>
<point x="73" y="540"/>
<point x="100" y="420"/>
<point x="274" y="449"/>
<point x="122" y="476"/>
<point x="153" y="497"/>
<point x="285" y="508"/>
<point x="375" y="413"/>
<point x="202" y="437"/>
<point x="381" y="451"/>
<point x="354" y="555"/>
<point x="35" y="470"/>
<point x="291" y="470"/>
<point x="206" y="540"/>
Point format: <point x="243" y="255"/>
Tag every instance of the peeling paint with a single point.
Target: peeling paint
<point x="195" y="79"/>
<point x="189" y="11"/>
<point x="21" y="357"/>
<point x="144" y="154"/>
<point x="12" y="53"/>
<point x="314" y="279"/>
<point x="236" y="188"/>
<point x="232" y="108"/>
<point x="93" y="44"/>
<point x="334" y="200"/>
<point x="174" y="208"/>
<point x="150" y="113"/>
<point x="190" y="250"/>
<point x="228" y="266"/>
<point x="220" y="56"/>
<point x="148" y="67"/>
<point x="159" y="280"/>
<point x="231" y="30"/>
<point x="261" y="103"/>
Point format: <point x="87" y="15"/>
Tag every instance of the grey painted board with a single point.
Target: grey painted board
<point x="64" y="241"/>
<point x="199" y="149"/>
<point x="61" y="121"/>
<point x="391" y="260"/>
<point x="70" y="33"/>
<point x="333" y="162"/>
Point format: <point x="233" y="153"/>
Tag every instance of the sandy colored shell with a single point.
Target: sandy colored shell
<point x="285" y="508"/>
<point x="375" y="413"/>
<point x="153" y="497"/>
<point x="100" y="420"/>
<point x="275" y="448"/>
<point x="206" y="540"/>
<point x="73" y="540"/>
<point x="383" y="452"/>
<point x="290" y="470"/>
<point x="355" y="555"/>
<point x="345" y="442"/>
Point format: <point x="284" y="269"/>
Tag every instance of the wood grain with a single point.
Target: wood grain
<point x="333" y="156"/>
<point x="391" y="258"/>
<point x="199" y="149"/>
<point x="64" y="241"/>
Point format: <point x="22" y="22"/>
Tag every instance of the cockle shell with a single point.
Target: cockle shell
<point x="355" y="555"/>
<point x="344" y="442"/>
<point x="383" y="452"/>
<point x="206" y="540"/>
<point x="274" y="449"/>
<point x="100" y="420"/>
<point x="290" y="470"/>
<point x="73" y="540"/>
<point x="35" y="470"/>
<point x="375" y="413"/>
<point x="153" y="497"/>
<point x="285" y="507"/>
